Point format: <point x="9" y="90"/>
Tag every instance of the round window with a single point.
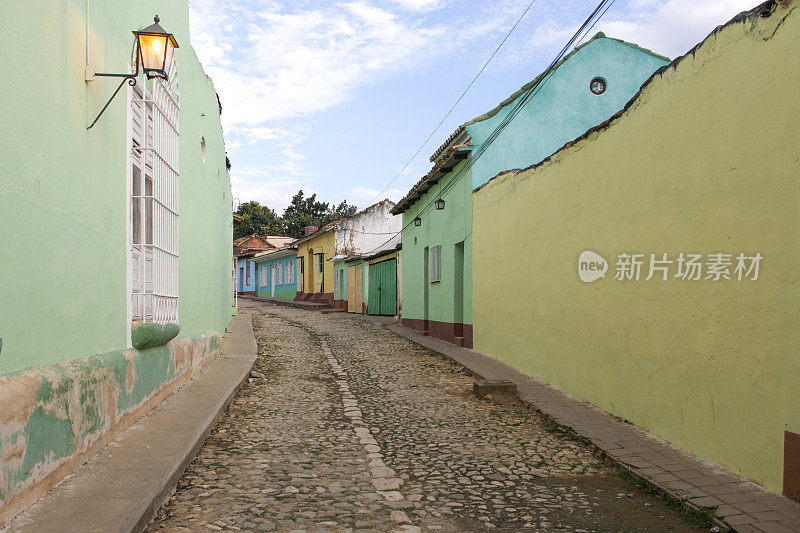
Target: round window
<point x="597" y="86"/>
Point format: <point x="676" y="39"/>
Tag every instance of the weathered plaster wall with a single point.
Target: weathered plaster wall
<point x="54" y="417"/>
<point x="64" y="191"/>
<point x="446" y="228"/>
<point x="563" y="107"/>
<point x="367" y="230"/>
<point x="704" y="161"/>
<point x="64" y="187"/>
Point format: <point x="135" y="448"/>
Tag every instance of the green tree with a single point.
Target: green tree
<point x="258" y="219"/>
<point x="343" y="210"/>
<point x="307" y="211"/>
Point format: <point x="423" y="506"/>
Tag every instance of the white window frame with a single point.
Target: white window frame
<point x="279" y="274"/>
<point x="263" y="276"/>
<point x="290" y="272"/>
<point x="434" y="264"/>
<point x="152" y="147"/>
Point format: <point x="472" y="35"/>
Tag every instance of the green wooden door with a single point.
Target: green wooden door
<point x="382" y="299"/>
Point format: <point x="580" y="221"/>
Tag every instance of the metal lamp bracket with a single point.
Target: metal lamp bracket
<point x="130" y="78"/>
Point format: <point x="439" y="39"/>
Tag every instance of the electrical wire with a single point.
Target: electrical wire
<point x="471" y="83"/>
<point x="587" y="25"/>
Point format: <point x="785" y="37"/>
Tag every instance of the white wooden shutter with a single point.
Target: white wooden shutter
<point x="434" y="256"/>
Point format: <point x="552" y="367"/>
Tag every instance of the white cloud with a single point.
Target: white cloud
<point x="672" y="27"/>
<point x="273" y="63"/>
<point x="365" y="196"/>
<point x="258" y="184"/>
<point x="420" y="5"/>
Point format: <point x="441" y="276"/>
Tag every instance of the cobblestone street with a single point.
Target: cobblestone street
<point x="353" y="428"/>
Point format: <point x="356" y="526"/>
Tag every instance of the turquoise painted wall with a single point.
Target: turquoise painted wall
<point x="284" y="291"/>
<point x="446" y="228"/>
<point x="64" y="187"/>
<point x="563" y="107"/>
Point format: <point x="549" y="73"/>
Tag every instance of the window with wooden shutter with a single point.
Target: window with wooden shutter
<point x="153" y="236"/>
<point x="434" y="257"/>
<point x="290" y="272"/>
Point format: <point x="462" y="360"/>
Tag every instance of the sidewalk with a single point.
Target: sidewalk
<point x="122" y="487"/>
<point x="734" y="502"/>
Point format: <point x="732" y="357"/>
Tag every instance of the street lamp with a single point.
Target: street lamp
<point x="155" y="49"/>
<point x="439" y="204"/>
<point x="417" y="221"/>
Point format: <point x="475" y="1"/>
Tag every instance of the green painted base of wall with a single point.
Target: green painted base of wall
<point x="280" y="295"/>
<point x="234" y="311"/>
<point x="54" y="417"/>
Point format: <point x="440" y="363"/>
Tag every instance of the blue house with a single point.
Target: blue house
<point x="276" y="273"/>
<point x="245" y="250"/>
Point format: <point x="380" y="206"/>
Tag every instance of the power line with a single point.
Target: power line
<point x="520" y="104"/>
<point x="457" y="101"/>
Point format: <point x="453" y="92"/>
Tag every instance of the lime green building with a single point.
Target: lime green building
<point x="585" y="88"/>
<point x="652" y="269"/>
<point x="115" y="276"/>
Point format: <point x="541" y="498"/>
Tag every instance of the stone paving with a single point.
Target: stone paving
<point x="734" y="502"/>
<point x="354" y="428"/>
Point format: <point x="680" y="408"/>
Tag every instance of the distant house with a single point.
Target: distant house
<point x="346" y="239"/>
<point x="358" y="288"/>
<point x="276" y="273"/>
<point x="244" y="251"/>
<point x="586" y="88"/>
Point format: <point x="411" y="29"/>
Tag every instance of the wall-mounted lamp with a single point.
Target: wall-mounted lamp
<point x="439" y="204"/>
<point x="155" y="49"/>
<point x="417" y="221"/>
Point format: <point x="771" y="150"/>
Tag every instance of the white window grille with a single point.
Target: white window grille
<point x="153" y="253"/>
<point x="290" y="272"/>
<point x="263" y="276"/>
<point x="247" y="271"/>
<point x="434" y="256"/>
<point x="279" y="276"/>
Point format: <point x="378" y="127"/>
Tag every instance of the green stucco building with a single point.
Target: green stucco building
<point x="115" y="239"/>
<point x="584" y="89"/>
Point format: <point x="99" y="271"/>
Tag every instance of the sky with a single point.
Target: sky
<point x="334" y="97"/>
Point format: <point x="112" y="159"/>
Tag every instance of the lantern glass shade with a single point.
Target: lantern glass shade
<point x="417" y="221"/>
<point x="439" y="204"/>
<point x="156" y="49"/>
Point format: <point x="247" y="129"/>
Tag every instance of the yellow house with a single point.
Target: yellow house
<point x="314" y="270"/>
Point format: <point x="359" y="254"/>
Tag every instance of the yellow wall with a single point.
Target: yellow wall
<point x="706" y="160"/>
<point x="323" y="243"/>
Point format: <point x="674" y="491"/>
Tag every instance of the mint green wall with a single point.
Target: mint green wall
<point x="281" y="294"/>
<point x="64" y="188"/>
<point x="563" y="107"/>
<point x="446" y="228"/>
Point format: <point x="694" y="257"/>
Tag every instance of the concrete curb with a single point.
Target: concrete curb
<point x="732" y="502"/>
<point x="122" y="487"/>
